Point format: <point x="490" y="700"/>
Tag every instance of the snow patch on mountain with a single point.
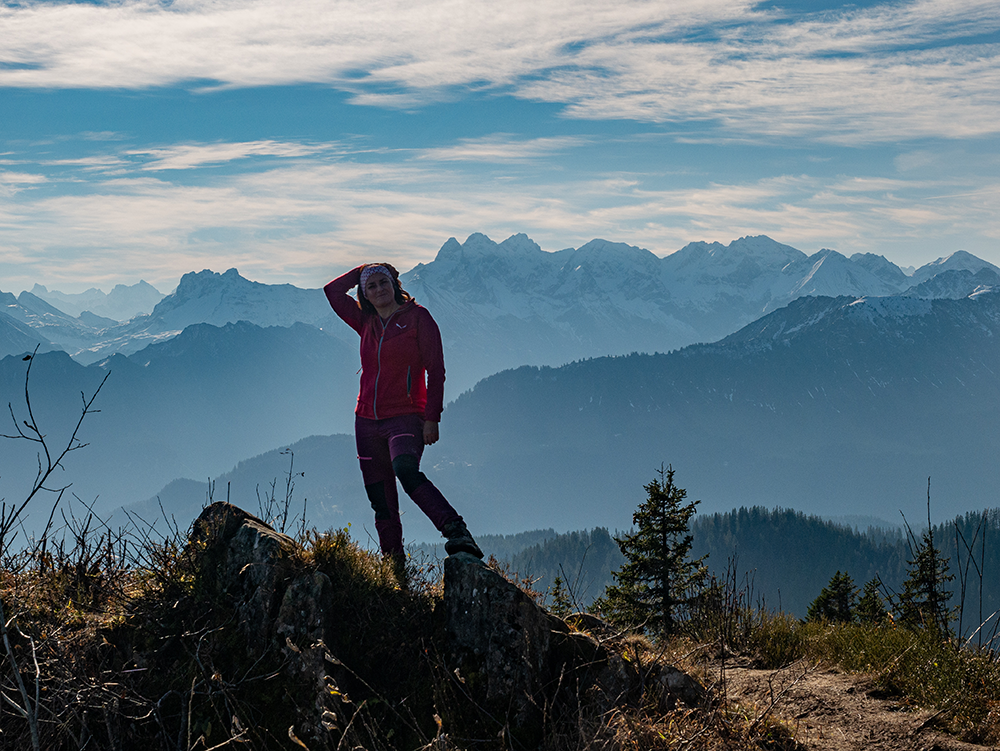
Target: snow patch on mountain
<point x="218" y="299"/>
<point x="873" y="308"/>
<point x="960" y="260"/>
<point x="832" y="274"/>
<point x="506" y="304"/>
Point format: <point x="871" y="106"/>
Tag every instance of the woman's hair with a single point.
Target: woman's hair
<point x="402" y="296"/>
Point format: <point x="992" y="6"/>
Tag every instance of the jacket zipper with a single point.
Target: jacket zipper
<point x="378" y="361"/>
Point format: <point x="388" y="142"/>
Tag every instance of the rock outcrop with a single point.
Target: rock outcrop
<point x="520" y="666"/>
<point x="280" y="606"/>
<point x="530" y="666"/>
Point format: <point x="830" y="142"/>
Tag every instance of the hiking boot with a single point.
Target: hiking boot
<point x="398" y="563"/>
<point x="459" y="540"/>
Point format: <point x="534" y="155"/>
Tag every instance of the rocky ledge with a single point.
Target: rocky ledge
<point x="495" y="648"/>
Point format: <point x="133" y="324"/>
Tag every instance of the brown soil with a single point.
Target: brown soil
<point x="828" y="710"/>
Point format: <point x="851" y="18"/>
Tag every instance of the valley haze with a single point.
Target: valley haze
<point x="835" y="385"/>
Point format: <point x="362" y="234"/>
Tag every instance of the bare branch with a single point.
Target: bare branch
<point x="51" y="462"/>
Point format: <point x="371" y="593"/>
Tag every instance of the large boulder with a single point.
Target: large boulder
<point x="281" y="608"/>
<point x="529" y="667"/>
<point x="244" y="559"/>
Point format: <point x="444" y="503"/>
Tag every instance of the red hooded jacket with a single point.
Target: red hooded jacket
<point x="402" y="361"/>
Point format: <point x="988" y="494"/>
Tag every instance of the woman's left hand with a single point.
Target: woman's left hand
<point x="430" y="432"/>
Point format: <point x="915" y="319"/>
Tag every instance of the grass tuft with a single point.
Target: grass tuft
<point x="921" y="669"/>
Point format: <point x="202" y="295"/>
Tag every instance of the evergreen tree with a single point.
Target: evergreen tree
<point x="870" y="608"/>
<point x="924" y="599"/>
<point x="657" y="579"/>
<point x="836" y="601"/>
<point x="561" y="603"/>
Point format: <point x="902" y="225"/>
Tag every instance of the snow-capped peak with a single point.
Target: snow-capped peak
<point x="960" y="260"/>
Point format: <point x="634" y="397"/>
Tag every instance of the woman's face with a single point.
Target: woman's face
<point x="379" y="291"/>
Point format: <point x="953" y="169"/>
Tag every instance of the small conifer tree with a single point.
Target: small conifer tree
<point x="923" y="603"/>
<point x="658" y="578"/>
<point x="836" y="601"/>
<point x="870" y="608"/>
<point x="561" y="603"/>
<point x="924" y="599"/>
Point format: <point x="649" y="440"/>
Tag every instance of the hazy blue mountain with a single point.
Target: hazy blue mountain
<point x="49" y="323"/>
<point x="955" y="284"/>
<point x="216" y="299"/>
<point x="326" y="478"/>
<point x="830" y="405"/>
<point x="741" y="281"/>
<point x="835" y="405"/>
<point x="42" y="322"/>
<point x="960" y="260"/>
<point x="34" y="304"/>
<point x="191" y="406"/>
<point x="882" y="268"/>
<point x="120" y="304"/>
<point x="507" y="304"/>
<point x="502" y="305"/>
<point x="16" y="337"/>
<point x="203" y="297"/>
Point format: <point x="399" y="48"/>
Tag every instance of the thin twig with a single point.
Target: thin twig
<point x="775" y="699"/>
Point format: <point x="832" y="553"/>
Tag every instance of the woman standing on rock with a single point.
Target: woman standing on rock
<point x="400" y="402"/>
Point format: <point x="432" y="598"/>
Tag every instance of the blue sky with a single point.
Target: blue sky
<point x="294" y="139"/>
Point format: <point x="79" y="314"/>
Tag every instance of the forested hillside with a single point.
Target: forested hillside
<point x="787" y="557"/>
<point x="830" y="405"/>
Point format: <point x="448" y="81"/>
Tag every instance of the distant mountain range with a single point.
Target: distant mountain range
<point x="190" y="407"/>
<point x="203" y="297"/>
<point x="510" y="304"/>
<point x="830" y="404"/>
<point x="502" y="305"/>
<point x="833" y="406"/>
<point x="121" y="304"/>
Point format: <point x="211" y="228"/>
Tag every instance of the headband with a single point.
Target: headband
<point x="367" y="271"/>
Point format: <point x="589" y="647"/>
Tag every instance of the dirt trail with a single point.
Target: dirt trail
<point x="832" y="711"/>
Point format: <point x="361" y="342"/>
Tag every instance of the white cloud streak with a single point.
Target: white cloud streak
<point x="14" y="182"/>
<point x="300" y="221"/>
<point x="896" y="71"/>
<point x="499" y="148"/>
<point x="190" y="156"/>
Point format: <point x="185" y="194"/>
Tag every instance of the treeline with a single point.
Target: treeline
<point x="583" y="561"/>
<point x="787" y="557"/>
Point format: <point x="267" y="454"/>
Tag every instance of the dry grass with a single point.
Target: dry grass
<point x="130" y="654"/>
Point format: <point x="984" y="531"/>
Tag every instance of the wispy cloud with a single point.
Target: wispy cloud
<point x="14" y="182"/>
<point x="256" y="42"/>
<point x="891" y="72"/>
<point x="501" y="147"/>
<point x="101" y="163"/>
<point x="190" y="156"/>
<point x="300" y="221"/>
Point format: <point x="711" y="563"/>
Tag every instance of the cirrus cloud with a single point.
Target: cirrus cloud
<point x="300" y="220"/>
<point x="895" y="71"/>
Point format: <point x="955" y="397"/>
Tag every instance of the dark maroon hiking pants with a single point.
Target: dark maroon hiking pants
<point x="390" y="449"/>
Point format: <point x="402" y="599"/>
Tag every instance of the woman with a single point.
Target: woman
<point x="398" y="411"/>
